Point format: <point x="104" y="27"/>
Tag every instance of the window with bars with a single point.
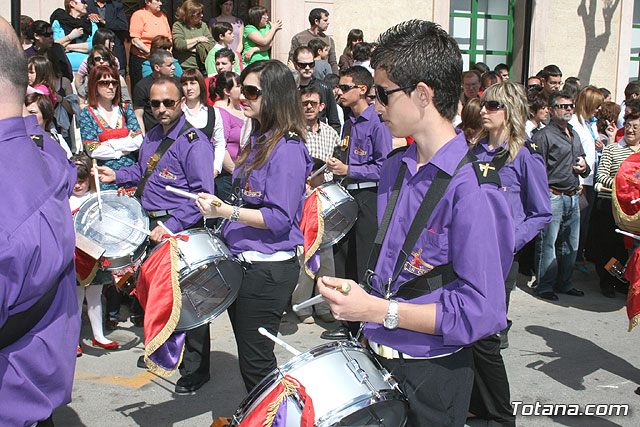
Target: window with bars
<point x="634" y="64"/>
<point x="483" y="30"/>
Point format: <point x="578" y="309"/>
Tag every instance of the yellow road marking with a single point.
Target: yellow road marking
<point x="136" y="381"/>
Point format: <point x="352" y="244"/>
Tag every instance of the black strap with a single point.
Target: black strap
<point x="427" y="283"/>
<point x="430" y="201"/>
<point x="153" y="161"/>
<point x="211" y="123"/>
<point x="500" y="158"/>
<point x="19" y="324"/>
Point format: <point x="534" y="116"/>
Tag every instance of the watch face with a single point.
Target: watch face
<point x="391" y="322"/>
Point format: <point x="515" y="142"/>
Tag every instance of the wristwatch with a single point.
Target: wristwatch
<point x="391" y="319"/>
<point x="235" y="214"/>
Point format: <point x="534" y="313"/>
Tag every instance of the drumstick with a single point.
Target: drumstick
<point x="319" y="171"/>
<point x="97" y="179"/>
<point x="278" y="341"/>
<point x="344" y="288"/>
<point x="175" y="190"/>
<point x="633" y="236"/>
<point x="128" y="224"/>
<point x="633" y="202"/>
<point x="161" y="224"/>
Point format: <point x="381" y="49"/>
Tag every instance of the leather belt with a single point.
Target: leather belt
<point x="391" y="353"/>
<point x="562" y="193"/>
<point x="158" y="214"/>
<point x="362" y="185"/>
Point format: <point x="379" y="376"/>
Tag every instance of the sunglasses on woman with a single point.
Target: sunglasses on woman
<point x="382" y="94"/>
<point x="492" y="106"/>
<point x="250" y="92"/>
<point x="107" y="83"/>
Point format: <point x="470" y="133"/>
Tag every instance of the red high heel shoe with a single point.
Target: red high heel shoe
<point x="111" y="346"/>
<point x="79" y="352"/>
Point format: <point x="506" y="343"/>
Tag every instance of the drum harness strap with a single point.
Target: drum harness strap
<point x="19" y="324"/>
<point x="438" y="276"/>
<point x="153" y="161"/>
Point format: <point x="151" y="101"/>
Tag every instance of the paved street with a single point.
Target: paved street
<point x="574" y="351"/>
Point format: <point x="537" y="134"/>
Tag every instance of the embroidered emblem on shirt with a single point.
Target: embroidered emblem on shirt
<point x="191" y="136"/>
<point x="167" y="175"/>
<point x="485" y="168"/>
<point x="359" y="151"/>
<point x="293" y="136"/>
<point x="251" y="192"/>
<point x="416" y="265"/>
<point x="344" y="144"/>
<point x="37" y="139"/>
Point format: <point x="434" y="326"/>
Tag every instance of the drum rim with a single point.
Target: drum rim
<point x="142" y="246"/>
<point x="320" y="350"/>
<point x="384" y="395"/>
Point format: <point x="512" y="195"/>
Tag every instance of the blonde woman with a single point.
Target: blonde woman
<point x="523" y="175"/>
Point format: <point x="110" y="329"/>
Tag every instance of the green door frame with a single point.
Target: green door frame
<point x="473" y="52"/>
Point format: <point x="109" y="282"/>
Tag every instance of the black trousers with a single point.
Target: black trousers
<point x="607" y="243"/>
<point x="351" y="253"/>
<point x="438" y="389"/>
<point x="491" y="397"/>
<point x="197" y="348"/>
<point x="135" y="71"/>
<point x="262" y="299"/>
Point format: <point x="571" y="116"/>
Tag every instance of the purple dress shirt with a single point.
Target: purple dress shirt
<point x="471" y="227"/>
<point x="37" y="242"/>
<point x="524" y="184"/>
<point x="186" y="165"/>
<point x="52" y="147"/>
<point x="370" y="143"/>
<point x="279" y="186"/>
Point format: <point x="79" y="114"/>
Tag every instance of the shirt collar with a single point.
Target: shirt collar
<point x="446" y="158"/>
<point x="483" y="144"/>
<point x="174" y="132"/>
<point x="368" y="114"/>
<point x="13" y="127"/>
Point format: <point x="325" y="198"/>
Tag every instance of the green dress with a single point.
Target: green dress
<point x="248" y="44"/>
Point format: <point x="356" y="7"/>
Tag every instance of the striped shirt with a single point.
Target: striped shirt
<point x="322" y="143"/>
<point x="612" y="157"/>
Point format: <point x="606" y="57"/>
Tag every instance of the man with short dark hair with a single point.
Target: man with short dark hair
<point x="188" y="165"/>
<point x="222" y="33"/>
<point x="39" y="317"/>
<point x="503" y="70"/>
<point x="565" y="161"/>
<point x="631" y="92"/>
<point x="163" y="65"/>
<point x="534" y="83"/>
<point x="471" y="85"/>
<point x="319" y="21"/>
<point x="305" y="64"/>
<point x="434" y="290"/>
<point x="551" y="78"/>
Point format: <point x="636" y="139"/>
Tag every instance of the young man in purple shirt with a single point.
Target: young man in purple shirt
<point x="39" y="317"/>
<point x="457" y="261"/>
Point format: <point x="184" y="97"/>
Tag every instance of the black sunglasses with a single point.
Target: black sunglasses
<point x="382" y="94"/>
<point x="250" y="92"/>
<point x="347" y="88"/>
<point x="492" y="106"/>
<point x="46" y="34"/>
<point x="311" y="102"/>
<point x="304" y="65"/>
<point x="99" y="58"/>
<point x="107" y="83"/>
<point x="168" y="103"/>
<point x="564" y="106"/>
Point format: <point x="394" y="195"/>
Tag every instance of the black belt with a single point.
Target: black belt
<point x="19" y="324"/>
<point x="158" y="214"/>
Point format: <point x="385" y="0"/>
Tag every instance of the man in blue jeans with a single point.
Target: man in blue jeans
<point x="557" y="243"/>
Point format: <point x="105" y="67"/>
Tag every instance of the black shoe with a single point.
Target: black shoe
<point x="140" y="363"/>
<point x="504" y="337"/>
<point x="110" y="325"/>
<point x="190" y="383"/>
<point x="575" y="292"/>
<point x="341" y="333"/>
<point x="549" y="295"/>
<point x="608" y="291"/>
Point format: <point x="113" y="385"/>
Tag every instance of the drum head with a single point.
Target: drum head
<point x="338" y="222"/>
<point x="118" y="240"/>
<point x="207" y="291"/>
<point x="385" y="413"/>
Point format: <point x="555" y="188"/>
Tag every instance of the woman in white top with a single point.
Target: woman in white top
<point x="110" y="131"/>
<point x="588" y="102"/>
<point x="202" y="116"/>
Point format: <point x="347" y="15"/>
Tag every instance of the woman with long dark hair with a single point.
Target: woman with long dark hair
<point x="42" y="35"/>
<point x="354" y="37"/>
<point x="262" y="226"/>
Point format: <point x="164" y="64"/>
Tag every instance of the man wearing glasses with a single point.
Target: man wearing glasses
<point x="305" y="64"/>
<point x="186" y="164"/>
<point x="163" y="65"/>
<point x="366" y="142"/>
<point x="446" y="236"/>
<point x="565" y="160"/>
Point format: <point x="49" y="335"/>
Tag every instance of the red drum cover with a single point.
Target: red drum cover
<point x="625" y="189"/>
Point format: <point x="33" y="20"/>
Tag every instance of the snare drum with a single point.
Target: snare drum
<point x="123" y="245"/>
<point x="210" y="277"/>
<point x="346" y="384"/>
<point x="339" y="212"/>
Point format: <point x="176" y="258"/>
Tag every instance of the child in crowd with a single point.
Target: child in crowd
<point x="93" y="292"/>
<point x="320" y="51"/>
